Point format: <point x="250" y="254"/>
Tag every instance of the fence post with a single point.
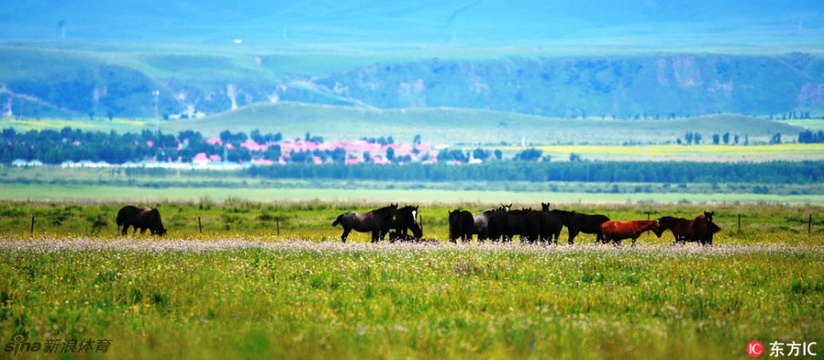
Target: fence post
<point x="810" y="225"/>
<point x="199" y="225"/>
<point x="277" y="225"/>
<point x="31" y="232"/>
<point x="739" y="223"/>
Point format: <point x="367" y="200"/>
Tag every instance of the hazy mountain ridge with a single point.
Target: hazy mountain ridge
<point x="659" y="58"/>
<point x="49" y="82"/>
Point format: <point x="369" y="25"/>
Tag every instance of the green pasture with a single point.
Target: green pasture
<point x="305" y="192"/>
<point x="810" y="124"/>
<point x="237" y="278"/>
<point x="232" y="297"/>
<point x="310" y="220"/>
<point x="670" y="152"/>
<point x="446" y="127"/>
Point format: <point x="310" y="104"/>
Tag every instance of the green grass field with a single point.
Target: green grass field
<point x="271" y="277"/>
<point x="238" y="298"/>
<point x="443" y="127"/>
<point x="792" y="152"/>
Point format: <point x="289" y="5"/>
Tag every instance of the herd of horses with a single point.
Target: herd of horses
<point x="496" y="224"/>
<point x="503" y="224"/>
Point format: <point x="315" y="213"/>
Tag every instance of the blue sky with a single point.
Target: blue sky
<point x="470" y="22"/>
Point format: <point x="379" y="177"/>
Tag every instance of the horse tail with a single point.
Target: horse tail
<point x="337" y="221"/>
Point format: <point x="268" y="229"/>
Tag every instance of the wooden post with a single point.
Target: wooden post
<point x="277" y="225"/>
<point x="31" y="232"/>
<point x="810" y="225"/>
<point x="199" y="225"/>
<point x="739" y="223"/>
<point x="420" y="221"/>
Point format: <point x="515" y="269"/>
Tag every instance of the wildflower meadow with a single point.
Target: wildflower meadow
<point x="227" y="294"/>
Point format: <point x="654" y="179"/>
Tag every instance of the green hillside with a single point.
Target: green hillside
<point x="70" y="80"/>
<point x="447" y="126"/>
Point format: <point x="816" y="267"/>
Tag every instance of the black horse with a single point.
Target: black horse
<point x="378" y="221"/>
<point x="576" y="223"/>
<point x="461" y="225"/>
<point x="507" y="224"/>
<point x="140" y="218"/>
<point x="405" y="219"/>
<point x="481" y="221"/>
<point x="531" y="225"/>
<point x="549" y="226"/>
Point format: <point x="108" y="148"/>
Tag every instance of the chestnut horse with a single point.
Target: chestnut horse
<point x="616" y="231"/>
<point x="140" y="218"/>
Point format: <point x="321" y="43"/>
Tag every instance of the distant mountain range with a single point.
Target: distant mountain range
<point x="649" y="60"/>
<point x="61" y="82"/>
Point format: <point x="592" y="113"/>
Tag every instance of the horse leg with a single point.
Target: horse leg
<point x="376" y="234"/>
<point x="125" y="229"/>
<point x="572" y="234"/>
<point x="345" y="234"/>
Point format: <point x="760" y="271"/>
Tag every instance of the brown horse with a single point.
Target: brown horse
<point x="701" y="229"/>
<point x="140" y="218"/>
<point x="616" y="231"/>
<point x="377" y="221"/>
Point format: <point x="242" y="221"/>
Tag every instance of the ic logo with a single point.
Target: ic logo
<point x="755" y="349"/>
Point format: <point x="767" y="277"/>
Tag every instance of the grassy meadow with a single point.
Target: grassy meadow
<point x="271" y="278"/>
<point x="447" y="127"/>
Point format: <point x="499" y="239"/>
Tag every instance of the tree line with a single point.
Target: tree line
<point x="776" y="172"/>
<point x="57" y="147"/>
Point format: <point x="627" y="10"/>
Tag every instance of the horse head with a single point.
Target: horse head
<point x="709" y="215"/>
<point x="545" y="207"/>
<point x="506" y="208"/>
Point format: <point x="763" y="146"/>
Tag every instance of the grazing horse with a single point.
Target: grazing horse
<point x="531" y="225"/>
<point x="377" y="221"/>
<point x="577" y="222"/>
<point x="507" y="224"/>
<point x="140" y="218"/>
<point x="481" y="221"/>
<point x="406" y="219"/>
<point x="701" y="229"/>
<point x="461" y="224"/>
<point x="616" y="231"/>
<point x="549" y="226"/>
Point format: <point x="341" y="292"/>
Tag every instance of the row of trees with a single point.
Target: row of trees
<point x="56" y="147"/>
<point x="809" y="137"/>
<point x="779" y="172"/>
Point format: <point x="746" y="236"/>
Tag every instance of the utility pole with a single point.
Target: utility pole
<point x="157" y="120"/>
